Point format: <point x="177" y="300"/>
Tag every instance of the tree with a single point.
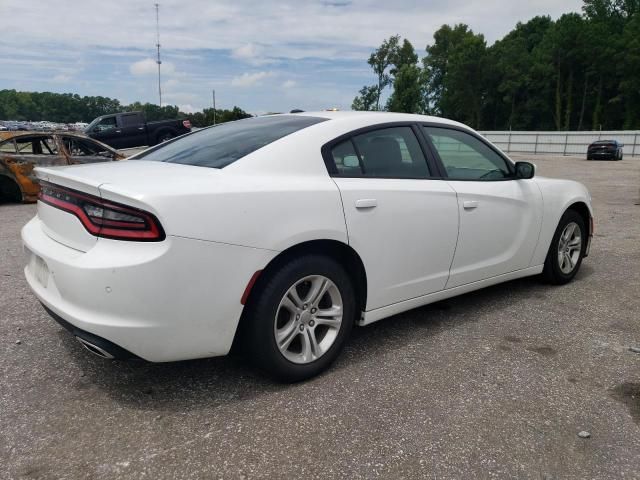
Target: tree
<point x="68" y="108"/>
<point x="408" y="90"/>
<point x="367" y="99"/>
<point x="629" y="60"/>
<point x="456" y="68"/>
<point x="380" y="60"/>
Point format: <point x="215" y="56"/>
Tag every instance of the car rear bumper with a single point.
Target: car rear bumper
<point x="600" y="154"/>
<point x="172" y="300"/>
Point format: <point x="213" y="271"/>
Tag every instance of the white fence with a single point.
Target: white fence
<point x="562" y="143"/>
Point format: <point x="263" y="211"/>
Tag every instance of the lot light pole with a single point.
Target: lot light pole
<point x="158" y="47"/>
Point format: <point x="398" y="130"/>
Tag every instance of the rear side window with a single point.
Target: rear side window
<point x="219" y="146"/>
<point x="8" y="147"/>
<point x="132" y="120"/>
<point x="385" y="153"/>
<point x="41" y="145"/>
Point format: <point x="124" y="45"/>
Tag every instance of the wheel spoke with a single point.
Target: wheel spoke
<point x="310" y="347"/>
<point x="286" y="335"/>
<point x="571" y="230"/>
<point x="575" y="242"/>
<point x="329" y="322"/>
<point x="292" y="294"/>
<point x="570" y="261"/>
<point x="319" y="287"/>
<point x="289" y="304"/>
<point x="331" y="317"/>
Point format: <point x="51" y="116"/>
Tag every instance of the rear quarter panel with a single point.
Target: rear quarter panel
<point x="271" y="213"/>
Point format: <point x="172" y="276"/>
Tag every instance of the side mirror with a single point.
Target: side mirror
<point x="622" y="144"/>
<point x="525" y="170"/>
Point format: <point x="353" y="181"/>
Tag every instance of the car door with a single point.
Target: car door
<point x="83" y="150"/>
<point x="402" y="222"/>
<point x="107" y="131"/>
<point x="134" y="132"/>
<point x="500" y="216"/>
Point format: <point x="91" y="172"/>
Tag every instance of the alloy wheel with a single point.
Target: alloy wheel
<point x="308" y="319"/>
<point x="569" y="247"/>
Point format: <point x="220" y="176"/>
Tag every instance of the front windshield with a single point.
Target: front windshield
<point x="89" y="127"/>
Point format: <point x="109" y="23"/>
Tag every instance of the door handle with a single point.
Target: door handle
<point x="366" y="203"/>
<point x="118" y="131"/>
<point x="140" y="128"/>
<point x="470" y="204"/>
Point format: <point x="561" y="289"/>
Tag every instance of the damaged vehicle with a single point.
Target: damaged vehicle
<point x="21" y="152"/>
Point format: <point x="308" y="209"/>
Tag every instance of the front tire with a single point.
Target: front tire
<point x="566" y="250"/>
<point x="300" y="319"/>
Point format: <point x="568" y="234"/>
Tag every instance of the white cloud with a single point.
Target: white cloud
<point x="289" y="84"/>
<point x="148" y="66"/>
<point x="187" y="108"/>
<point x="61" y="78"/>
<point x="250" y="79"/>
<point x="269" y="29"/>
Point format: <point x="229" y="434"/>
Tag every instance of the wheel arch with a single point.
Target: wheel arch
<point x="335" y="249"/>
<point x="583" y="210"/>
<point x="11" y="181"/>
<point x="162" y="130"/>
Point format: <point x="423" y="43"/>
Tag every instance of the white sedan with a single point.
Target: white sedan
<point x="279" y="233"/>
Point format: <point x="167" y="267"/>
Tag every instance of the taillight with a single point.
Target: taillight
<point x="103" y="218"/>
<point x="186" y="124"/>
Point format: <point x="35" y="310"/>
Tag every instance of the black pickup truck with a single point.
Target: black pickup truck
<point x="130" y="129"/>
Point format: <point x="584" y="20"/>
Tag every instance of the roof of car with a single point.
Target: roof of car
<point x="4" y="135"/>
<point x="378" y="117"/>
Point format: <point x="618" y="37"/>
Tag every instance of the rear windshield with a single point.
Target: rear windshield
<point x="219" y="146"/>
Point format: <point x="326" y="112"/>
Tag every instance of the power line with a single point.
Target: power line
<point x="158" y="47"/>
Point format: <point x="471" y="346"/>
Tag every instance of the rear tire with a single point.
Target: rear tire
<point x="288" y="332"/>
<point x="9" y="190"/>
<point x="566" y="250"/>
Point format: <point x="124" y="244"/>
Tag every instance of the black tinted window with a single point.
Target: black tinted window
<point x="346" y="159"/>
<point x="385" y="153"/>
<point x="131" y="120"/>
<point x="219" y="146"/>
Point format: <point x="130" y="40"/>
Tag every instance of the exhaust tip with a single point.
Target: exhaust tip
<point x="96" y="350"/>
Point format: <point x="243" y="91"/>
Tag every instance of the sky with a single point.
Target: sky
<point x="261" y="55"/>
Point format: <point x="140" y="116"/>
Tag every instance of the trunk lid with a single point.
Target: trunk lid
<point x="136" y="183"/>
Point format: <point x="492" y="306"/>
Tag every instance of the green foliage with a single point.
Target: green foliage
<point x="581" y="71"/>
<point x="380" y="60"/>
<point x="70" y="108"/>
<point x="206" y="117"/>
<point x="408" y="88"/>
<point x="367" y="100"/>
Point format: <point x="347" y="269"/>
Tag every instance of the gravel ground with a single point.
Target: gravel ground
<point x="497" y="383"/>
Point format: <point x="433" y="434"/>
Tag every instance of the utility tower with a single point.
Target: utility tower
<point x="158" y="48"/>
